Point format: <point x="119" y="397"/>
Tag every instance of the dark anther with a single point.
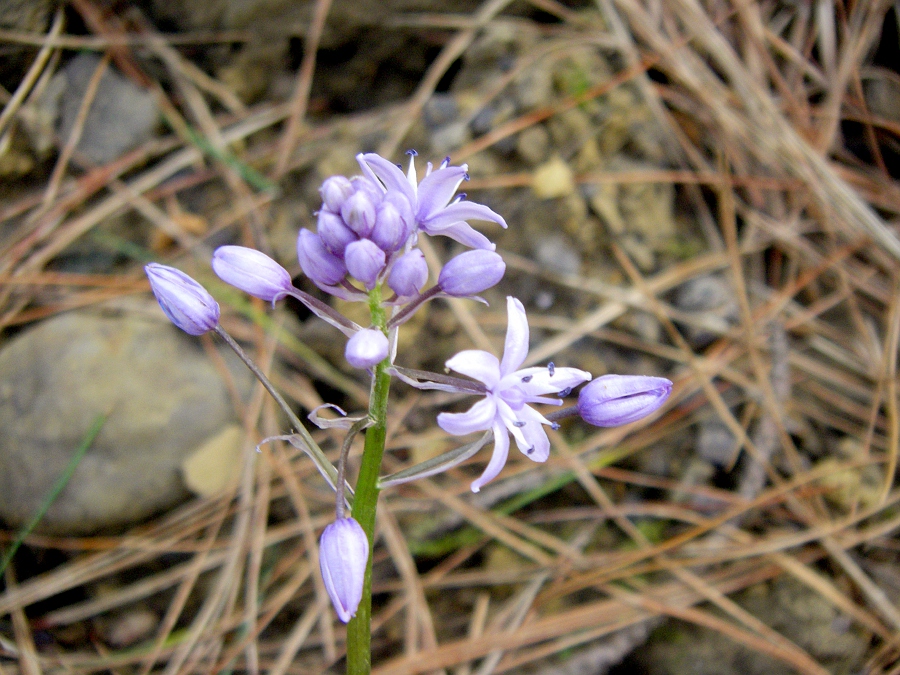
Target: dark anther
<point x="554" y="426"/>
<point x="551" y="368"/>
<point x="529" y="450"/>
<point x="518" y="424"/>
<point x="527" y="378"/>
<point x="565" y="392"/>
<point x="412" y="153"/>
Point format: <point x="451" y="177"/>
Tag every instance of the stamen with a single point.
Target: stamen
<point x="554" y="426"/>
<point x="445" y="163"/>
<point x="551" y="368"/>
<point x="565" y="392"/>
<point x="466" y="176"/>
<point x="412" y="153"/>
<point x="518" y="424"/>
<point x="527" y="378"/>
<point x="529" y="450"/>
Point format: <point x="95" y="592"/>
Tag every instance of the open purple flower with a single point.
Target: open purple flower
<point x="508" y="391"/>
<point x="432" y="199"/>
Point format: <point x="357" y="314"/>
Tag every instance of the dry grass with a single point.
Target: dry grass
<point x="800" y="226"/>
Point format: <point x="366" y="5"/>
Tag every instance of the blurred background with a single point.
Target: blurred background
<point x="701" y="190"/>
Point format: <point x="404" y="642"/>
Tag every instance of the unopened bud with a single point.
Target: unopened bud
<point x="185" y="302"/>
<point x="471" y="273"/>
<point x="613" y="400"/>
<point x="366" y="349"/>
<point x="343" y="554"/>
<point x="252" y="271"/>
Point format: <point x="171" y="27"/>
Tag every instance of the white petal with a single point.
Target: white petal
<point x="498" y="459"/>
<point x="537" y="446"/>
<point x="480" y="417"/>
<point x="477" y="364"/>
<point x="516" y="348"/>
<point x="540" y="381"/>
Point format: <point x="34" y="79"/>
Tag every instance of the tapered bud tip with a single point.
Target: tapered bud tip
<point x="409" y="274"/>
<point x="366" y="348"/>
<point x="334" y="191"/>
<point x="471" y="273"/>
<point x="185" y="302"/>
<point x="343" y="553"/>
<point x="252" y="272"/>
<point x="613" y="400"/>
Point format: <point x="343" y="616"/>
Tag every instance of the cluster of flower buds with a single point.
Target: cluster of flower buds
<point x="368" y="227"/>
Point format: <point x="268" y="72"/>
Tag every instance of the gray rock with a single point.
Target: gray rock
<point x="163" y="397"/>
<point x="715" y="443"/>
<point x="121" y="116"/>
<point x="712" y="302"/>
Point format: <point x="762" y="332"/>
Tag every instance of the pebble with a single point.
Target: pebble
<point x="163" y="396"/>
<point x="553" y="179"/>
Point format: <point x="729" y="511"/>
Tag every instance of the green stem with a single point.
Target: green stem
<point x="365" y="499"/>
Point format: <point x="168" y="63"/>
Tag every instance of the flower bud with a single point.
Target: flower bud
<point x="334" y="232"/>
<point x="367" y="348"/>
<point x="343" y="553"/>
<point x="394" y="222"/>
<point x="408" y="274"/>
<point x="185" y="302"/>
<point x="252" y="271"/>
<point x="317" y="262"/>
<point x="334" y="191"/>
<point x="471" y="272"/>
<point x="358" y="211"/>
<point x="364" y="261"/>
<point x="612" y="400"/>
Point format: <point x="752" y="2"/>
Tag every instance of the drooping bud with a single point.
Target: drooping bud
<point x="334" y="232"/>
<point x="185" y="302"/>
<point x="343" y="554"/>
<point x="613" y="400"/>
<point x="364" y="261"/>
<point x="253" y="272"/>
<point x="471" y="273"/>
<point x="367" y="348"/>
<point x="334" y="191"/>
<point x="409" y="274"/>
<point x="317" y="262"/>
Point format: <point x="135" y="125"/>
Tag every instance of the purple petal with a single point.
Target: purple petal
<point x="480" y="417"/>
<point x="437" y="189"/>
<point x="378" y="168"/>
<point x="184" y="301"/>
<point x="465" y="234"/>
<point x="471" y="273"/>
<point x="516" y="348"/>
<point x="498" y="458"/>
<point x="409" y="274"/>
<point x="464" y="210"/>
<point x="364" y="261"/>
<point x="477" y="364"/>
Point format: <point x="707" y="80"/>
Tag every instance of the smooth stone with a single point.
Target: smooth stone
<point x="163" y="396"/>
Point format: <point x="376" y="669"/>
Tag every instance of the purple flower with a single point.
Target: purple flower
<point x="252" y="272"/>
<point x="317" y="262"/>
<point x="409" y="274"/>
<point x="366" y="348"/>
<point x="343" y="553"/>
<point x="471" y="273"/>
<point x="185" y="302"/>
<point x="432" y="200"/>
<point x="613" y="400"/>
<point x="504" y="408"/>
